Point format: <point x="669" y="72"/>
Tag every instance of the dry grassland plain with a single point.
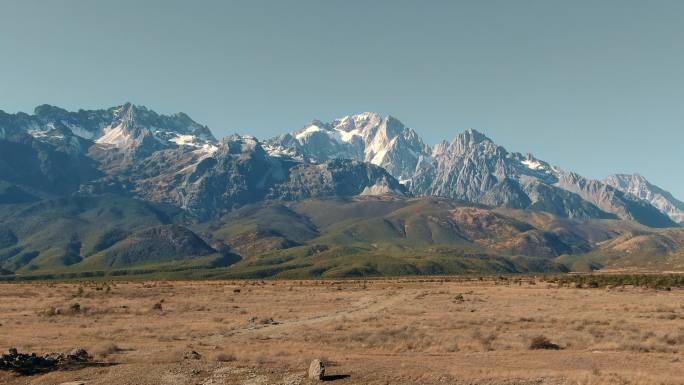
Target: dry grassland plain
<point x="387" y="331"/>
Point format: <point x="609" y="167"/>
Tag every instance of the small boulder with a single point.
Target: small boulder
<point x="316" y="370"/>
<point x="78" y="355"/>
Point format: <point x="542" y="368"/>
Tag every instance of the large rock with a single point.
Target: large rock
<point x="29" y="364"/>
<point x="316" y="370"/>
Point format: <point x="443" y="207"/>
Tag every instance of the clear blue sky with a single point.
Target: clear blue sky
<point x="592" y="86"/>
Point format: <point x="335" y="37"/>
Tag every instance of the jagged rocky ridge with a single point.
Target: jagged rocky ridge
<point x="168" y="159"/>
<point x="471" y="168"/>
<point x="172" y="159"/>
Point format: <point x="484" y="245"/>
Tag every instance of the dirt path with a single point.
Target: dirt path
<point x="366" y="306"/>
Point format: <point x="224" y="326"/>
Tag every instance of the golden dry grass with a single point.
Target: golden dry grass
<point x="391" y="331"/>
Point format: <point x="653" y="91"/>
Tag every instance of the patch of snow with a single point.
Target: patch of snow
<point x="79" y="131"/>
<point x="115" y="136"/>
<point x="307" y="132"/>
<point x="37" y="133"/>
<point x="192" y="141"/>
<point x="348" y="136"/>
<point x="210" y="148"/>
<point x="183" y="140"/>
<point x="278" y="151"/>
<point x="337" y="134"/>
<point x="533" y="164"/>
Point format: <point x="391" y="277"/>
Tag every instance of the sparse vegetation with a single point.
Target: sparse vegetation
<point x="478" y="328"/>
<point x="108" y="349"/>
<point x="75" y="308"/>
<point x="654" y="281"/>
<point x="225" y="357"/>
<point x="542" y="342"/>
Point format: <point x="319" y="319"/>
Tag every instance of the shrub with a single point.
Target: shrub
<point x="225" y="357"/>
<point x="108" y="349"/>
<point x="50" y="312"/>
<point x="541" y="342"/>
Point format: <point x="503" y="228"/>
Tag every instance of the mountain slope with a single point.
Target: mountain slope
<point x="54" y="234"/>
<point x="151" y="246"/>
<point x="240" y="172"/>
<point x="641" y="188"/>
<point x="43" y="169"/>
<point x="330" y="237"/>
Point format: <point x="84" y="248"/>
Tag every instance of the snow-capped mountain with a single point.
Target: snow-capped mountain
<point x="134" y="127"/>
<point x="126" y="128"/>
<point x="364" y="137"/>
<point x="172" y="159"/>
<point x="641" y="188"/>
<point x="471" y="168"/>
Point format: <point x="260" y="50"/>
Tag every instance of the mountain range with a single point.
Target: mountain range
<point x="127" y="189"/>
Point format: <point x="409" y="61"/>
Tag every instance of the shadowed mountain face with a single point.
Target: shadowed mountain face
<point x="208" y="202"/>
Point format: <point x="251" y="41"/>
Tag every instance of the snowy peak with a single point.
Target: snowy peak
<point x="131" y="121"/>
<point x="638" y="186"/>
<point x="471" y="167"/>
<point x="359" y="124"/>
<point x="364" y="137"/>
<point x="126" y="127"/>
<point x="343" y="130"/>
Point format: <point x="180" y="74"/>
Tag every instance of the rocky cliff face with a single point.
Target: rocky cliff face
<point x="240" y="172"/>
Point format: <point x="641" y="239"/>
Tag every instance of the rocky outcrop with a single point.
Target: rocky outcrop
<point x="29" y="364"/>
<point x="339" y="177"/>
<point x="316" y="370"/>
